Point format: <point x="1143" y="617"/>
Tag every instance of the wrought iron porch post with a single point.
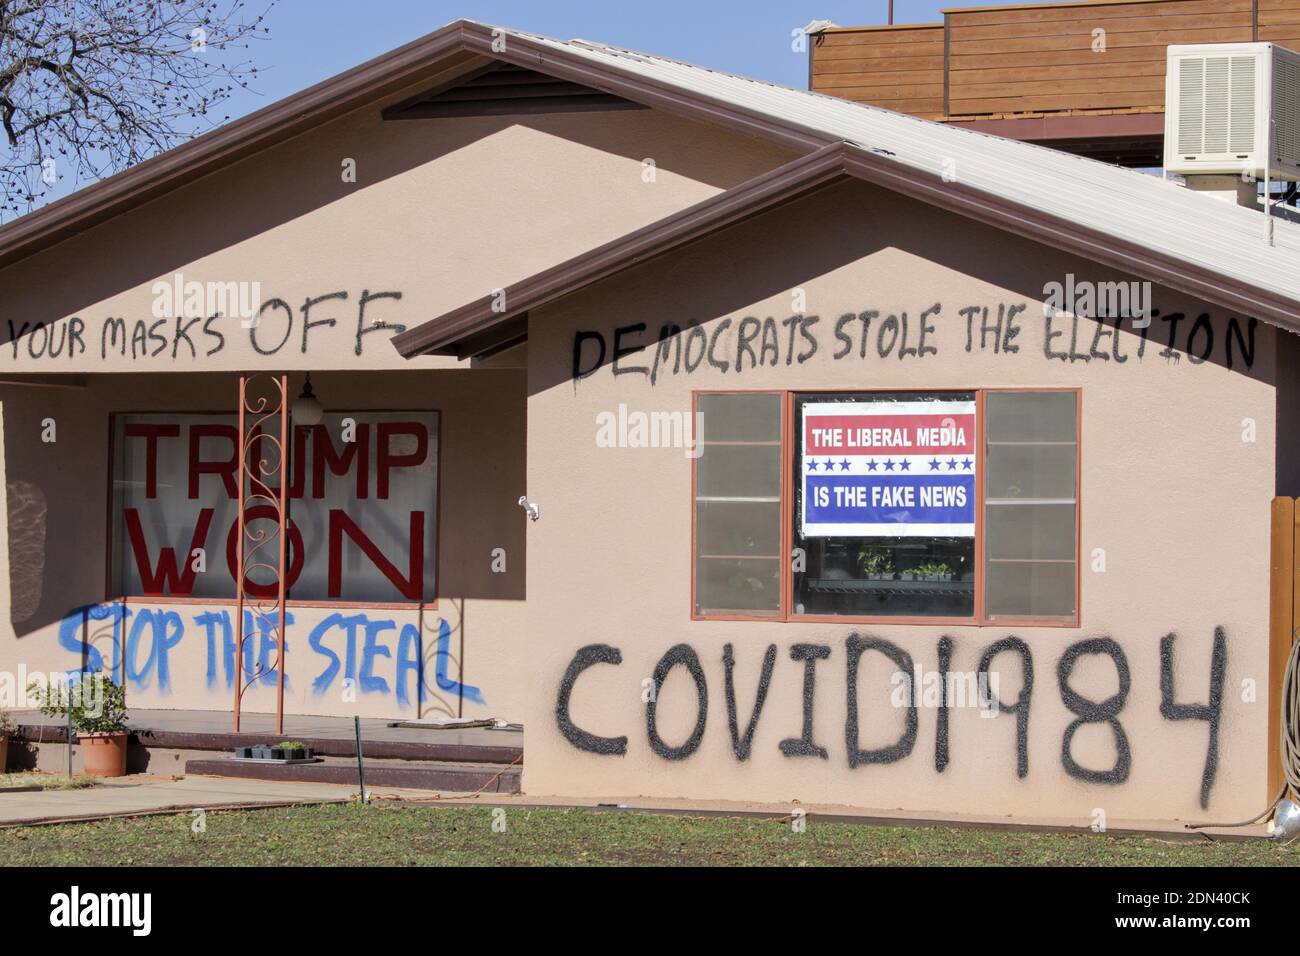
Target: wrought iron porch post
<point x="253" y="413"/>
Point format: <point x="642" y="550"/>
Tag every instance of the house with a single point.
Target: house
<point x="863" y="459"/>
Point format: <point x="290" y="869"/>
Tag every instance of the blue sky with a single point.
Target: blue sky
<point x="312" y="40"/>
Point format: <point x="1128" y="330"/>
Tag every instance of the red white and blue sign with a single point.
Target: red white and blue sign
<point x="888" y="469"/>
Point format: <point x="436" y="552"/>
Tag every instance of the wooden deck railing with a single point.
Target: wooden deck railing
<point x="1284" y="622"/>
<point x="1059" y="58"/>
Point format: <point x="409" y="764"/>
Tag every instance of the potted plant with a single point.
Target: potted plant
<point x="876" y="563"/>
<point x="292" y="750"/>
<point x="96" y="709"/>
<point x="931" y="571"/>
<point x="6" y="731"/>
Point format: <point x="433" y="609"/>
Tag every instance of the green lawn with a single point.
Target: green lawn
<point x="44" y="781"/>
<point x="378" y="835"/>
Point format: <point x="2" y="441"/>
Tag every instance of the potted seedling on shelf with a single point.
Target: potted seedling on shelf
<point x="931" y="571"/>
<point x="95" y="708"/>
<point x="876" y="563"/>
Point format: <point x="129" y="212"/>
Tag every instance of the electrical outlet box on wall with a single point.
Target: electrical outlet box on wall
<point x="1233" y="108"/>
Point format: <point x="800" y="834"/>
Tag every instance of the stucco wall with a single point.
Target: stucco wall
<point x="441" y="212"/>
<point x="52" y="572"/>
<point x="1175" y="493"/>
<point x="438" y="213"/>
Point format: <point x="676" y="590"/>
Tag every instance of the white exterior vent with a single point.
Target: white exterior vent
<point x="1222" y="102"/>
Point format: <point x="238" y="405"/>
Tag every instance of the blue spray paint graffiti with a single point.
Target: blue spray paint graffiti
<point x="409" y="662"/>
<point x="366" y="658"/>
<point x="445" y="682"/>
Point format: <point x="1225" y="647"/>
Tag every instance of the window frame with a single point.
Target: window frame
<point x="428" y="604"/>
<point x="980" y="618"/>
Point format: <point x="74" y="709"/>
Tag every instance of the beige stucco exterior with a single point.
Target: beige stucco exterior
<point x="440" y="212"/>
<point x="1172" y="494"/>
<point x="1174" y="497"/>
<point x="57" y="549"/>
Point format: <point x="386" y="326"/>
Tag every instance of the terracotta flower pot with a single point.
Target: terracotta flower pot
<point x="104" y="755"/>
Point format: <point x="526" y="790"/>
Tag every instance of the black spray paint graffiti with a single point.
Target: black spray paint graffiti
<point x="1210" y="712"/>
<point x="734" y="347"/>
<point x="685" y="655"/>
<point x="1021" y="707"/>
<point x="804" y="746"/>
<point x="741" y="745"/>
<point x="856" y="646"/>
<point x="1085" y="711"/>
<point x="586" y="657"/>
<point x="941" y="730"/>
<point x="1094" y="712"/>
<point x="194" y="338"/>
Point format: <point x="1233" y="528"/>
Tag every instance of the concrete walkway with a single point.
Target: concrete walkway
<point x="142" y="794"/>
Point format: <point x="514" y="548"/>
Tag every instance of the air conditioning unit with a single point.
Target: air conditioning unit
<point x="1232" y="108"/>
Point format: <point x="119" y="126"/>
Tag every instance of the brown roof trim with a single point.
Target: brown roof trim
<point x="1066" y="235"/>
<point x="432" y="55"/>
<point x="643" y="89"/>
<point x="294" y="114"/>
<point x="373" y="80"/>
<point x="454" y="332"/>
<point x="1034" y="128"/>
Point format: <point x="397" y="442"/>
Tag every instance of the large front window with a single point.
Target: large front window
<point x="884" y="502"/>
<point x="956" y="506"/>
<point x="362" y="515"/>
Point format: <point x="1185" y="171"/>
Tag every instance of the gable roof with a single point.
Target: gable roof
<point x="486" y="326"/>
<point x="1213" y="249"/>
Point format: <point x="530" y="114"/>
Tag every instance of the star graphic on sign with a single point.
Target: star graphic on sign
<point x="889" y="464"/>
<point x="904" y="465"/>
<point x="952" y="464"/>
<point x="871" y="465"/>
<point x="812" y="464"/>
<point x="966" y="464"/>
<point x="844" y="464"/>
<point x="934" y="464"/>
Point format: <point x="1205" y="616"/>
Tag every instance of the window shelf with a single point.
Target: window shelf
<point x="1029" y="501"/>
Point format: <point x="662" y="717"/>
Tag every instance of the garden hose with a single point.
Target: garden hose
<point x="1288" y="744"/>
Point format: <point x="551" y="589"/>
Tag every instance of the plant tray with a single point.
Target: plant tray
<point x="260" y="754"/>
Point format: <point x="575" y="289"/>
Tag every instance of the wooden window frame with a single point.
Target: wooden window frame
<point x="785" y="613"/>
<point x="162" y="600"/>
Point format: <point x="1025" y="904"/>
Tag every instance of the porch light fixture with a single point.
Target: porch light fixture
<point x="306" y="407"/>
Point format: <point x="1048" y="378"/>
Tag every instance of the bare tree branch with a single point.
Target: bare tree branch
<point x="90" y="87"/>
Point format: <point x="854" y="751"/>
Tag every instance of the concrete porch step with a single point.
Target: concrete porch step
<point x="414" y="774"/>
<point x="159" y="749"/>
